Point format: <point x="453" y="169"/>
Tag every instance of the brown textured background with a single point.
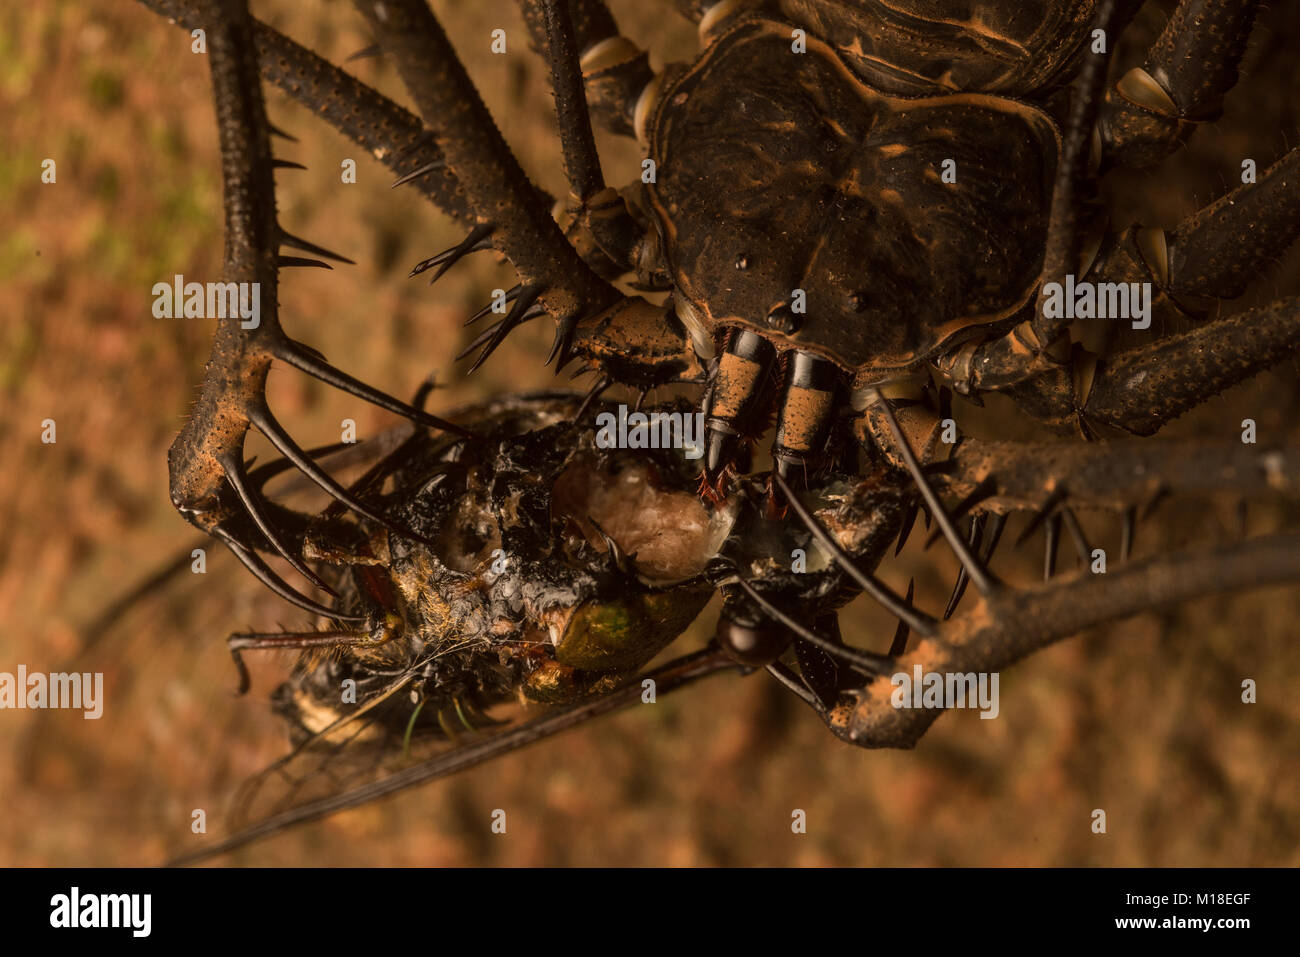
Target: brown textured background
<point x="1142" y="719"/>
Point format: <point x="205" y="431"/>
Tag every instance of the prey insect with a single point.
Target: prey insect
<point x="845" y="218"/>
<point x="617" y="554"/>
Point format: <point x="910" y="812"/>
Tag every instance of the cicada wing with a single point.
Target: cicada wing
<point x="355" y="750"/>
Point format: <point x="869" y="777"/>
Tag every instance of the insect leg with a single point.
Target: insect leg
<point x="281" y="641"/>
<point x="1123" y="476"/>
<point x="499" y="192"/>
<point x="1215" y="252"/>
<point x="598" y="213"/>
<point x="1141" y="390"/>
<point x="1153" y="109"/>
<point x="979" y="575"/>
<point x="1062" y="240"/>
<point x="614" y="70"/>
<point x="901" y="608"/>
<point x="757" y="643"/>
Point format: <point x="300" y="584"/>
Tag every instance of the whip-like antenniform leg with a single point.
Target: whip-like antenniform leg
<point x="613" y="68"/>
